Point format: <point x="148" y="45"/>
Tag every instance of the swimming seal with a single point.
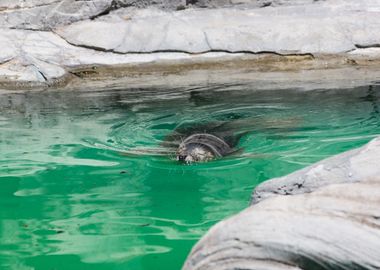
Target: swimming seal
<point x="205" y="140"/>
<point x="202" y="147"/>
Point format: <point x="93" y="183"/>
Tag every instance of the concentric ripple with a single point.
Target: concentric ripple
<point x="87" y="180"/>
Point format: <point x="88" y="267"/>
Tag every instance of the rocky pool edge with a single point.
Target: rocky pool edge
<point x="52" y="44"/>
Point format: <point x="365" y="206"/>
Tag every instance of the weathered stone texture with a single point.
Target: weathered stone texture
<point x="65" y="33"/>
<point x="53" y="13"/>
<point x="314" y="28"/>
<point x="335" y="227"/>
<point x="349" y="167"/>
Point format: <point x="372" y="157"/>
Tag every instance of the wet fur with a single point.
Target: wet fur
<point x="215" y="139"/>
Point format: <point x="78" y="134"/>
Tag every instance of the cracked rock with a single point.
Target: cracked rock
<point x="318" y="28"/>
<point x="138" y="34"/>
<point x="336" y="226"/>
<point x="66" y="33"/>
<point x="349" y="167"/>
<point x="52" y="14"/>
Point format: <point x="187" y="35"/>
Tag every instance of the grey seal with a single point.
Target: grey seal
<point x="202" y="147"/>
<point x="205" y="140"/>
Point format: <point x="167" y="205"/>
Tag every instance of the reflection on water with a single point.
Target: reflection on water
<point x="71" y="198"/>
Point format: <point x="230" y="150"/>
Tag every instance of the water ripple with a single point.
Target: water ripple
<point x="87" y="178"/>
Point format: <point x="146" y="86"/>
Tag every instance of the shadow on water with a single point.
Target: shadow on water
<point x="72" y="199"/>
<point x="373" y="97"/>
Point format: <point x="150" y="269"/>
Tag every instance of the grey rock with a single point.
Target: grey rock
<point x="318" y="28"/>
<point x="336" y="227"/>
<point x="162" y="4"/>
<point x="248" y="3"/>
<point x="134" y="34"/>
<point x="22" y="4"/>
<point x="52" y="14"/>
<point x="366" y="52"/>
<point x="8" y="50"/>
<point x="39" y="55"/>
<point x="182" y="4"/>
<point x="47" y="14"/>
<point x="211" y="3"/>
<point x="34" y="70"/>
<point x="13" y="5"/>
<point x="70" y="33"/>
<point x="348" y="167"/>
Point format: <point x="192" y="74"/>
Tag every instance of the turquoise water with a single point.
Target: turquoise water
<point x="82" y="188"/>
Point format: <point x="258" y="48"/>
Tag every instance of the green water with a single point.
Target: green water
<point x="70" y="198"/>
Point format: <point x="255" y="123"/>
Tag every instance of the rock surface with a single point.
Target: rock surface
<point x="44" y="15"/>
<point x="43" y="40"/>
<point x="47" y="14"/>
<point x="334" y="227"/>
<point x="349" y="167"/>
<point x="319" y="28"/>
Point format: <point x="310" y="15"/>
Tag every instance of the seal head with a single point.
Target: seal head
<point x="202" y="147"/>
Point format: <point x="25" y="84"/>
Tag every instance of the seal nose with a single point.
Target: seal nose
<point x="181" y="158"/>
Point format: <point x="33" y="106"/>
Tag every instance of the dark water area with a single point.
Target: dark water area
<point x="84" y="183"/>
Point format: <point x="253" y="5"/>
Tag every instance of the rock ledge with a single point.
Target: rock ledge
<point x="43" y="40"/>
<point x="334" y="226"/>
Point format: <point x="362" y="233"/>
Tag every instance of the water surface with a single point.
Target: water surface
<point x="81" y="187"/>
